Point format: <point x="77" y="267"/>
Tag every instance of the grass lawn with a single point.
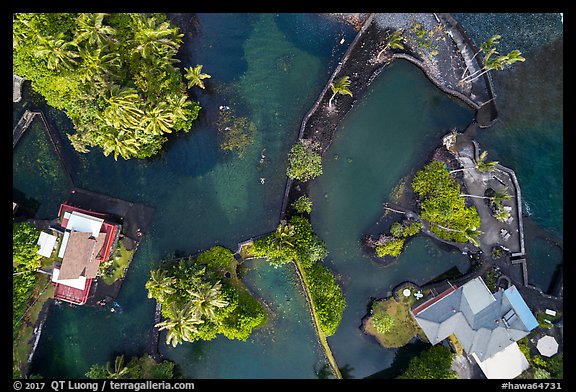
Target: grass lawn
<point x="403" y="328"/>
<point x="120" y="260"/>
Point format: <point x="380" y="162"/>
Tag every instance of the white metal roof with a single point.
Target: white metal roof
<point x="64" y="244"/>
<point x="78" y="283"/>
<point x="47" y="243"/>
<point x="84" y="223"/>
<point x="506" y="364"/>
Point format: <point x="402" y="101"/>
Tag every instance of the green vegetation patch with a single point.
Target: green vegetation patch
<point x="235" y="132"/>
<point x="137" y="368"/>
<point x="41" y="292"/>
<point x="541" y="367"/>
<point x="303" y="205"/>
<point x="112" y="74"/>
<point x="393" y="244"/>
<point x="304" y="163"/>
<point x="296" y="241"/>
<point x="442" y="205"/>
<point x="391" y="323"/>
<point x="116" y="267"/>
<point x="431" y="364"/>
<point x="202" y="297"/>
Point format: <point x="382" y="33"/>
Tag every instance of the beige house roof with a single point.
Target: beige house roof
<point x="80" y="255"/>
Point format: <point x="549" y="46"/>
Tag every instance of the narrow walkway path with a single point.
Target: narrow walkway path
<point x="321" y="335"/>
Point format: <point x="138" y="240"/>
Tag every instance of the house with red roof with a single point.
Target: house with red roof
<point x="88" y="239"/>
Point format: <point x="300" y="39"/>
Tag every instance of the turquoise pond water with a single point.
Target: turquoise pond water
<point x="382" y="139"/>
<point x="271" y="68"/>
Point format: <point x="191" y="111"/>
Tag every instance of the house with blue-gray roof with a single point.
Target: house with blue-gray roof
<point x="484" y="323"/>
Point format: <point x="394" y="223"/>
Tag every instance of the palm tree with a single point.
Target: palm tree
<point x="195" y="76"/>
<point x="499" y="62"/>
<point x="119" y="144"/>
<point x="470" y="233"/>
<point x="206" y="298"/>
<point x="283" y="234"/>
<point x="497" y="198"/>
<point x="100" y="66"/>
<point x="91" y="29"/>
<point x="181" y="325"/>
<point x="159" y="284"/>
<point x="119" y="369"/>
<point x="394" y="41"/>
<point x="481" y="164"/>
<point x="485" y="47"/>
<point x="340" y="87"/>
<point x="158" y="120"/>
<point x="123" y="109"/>
<point x="179" y="106"/>
<point x="152" y="39"/>
<point x="501" y="214"/>
<point x="57" y="51"/>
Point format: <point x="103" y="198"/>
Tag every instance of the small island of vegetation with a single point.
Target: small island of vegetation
<point x="390" y="321"/>
<point x="202" y="297"/>
<point x="296" y="241"/>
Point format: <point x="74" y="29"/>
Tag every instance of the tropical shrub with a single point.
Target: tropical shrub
<point x="216" y="257"/>
<point x="442" y="205"/>
<point x="392" y="247"/>
<point x="304" y="163"/>
<point x="383" y="322"/>
<point x="431" y="364"/>
<point x="303" y="205"/>
<point x="327" y="298"/>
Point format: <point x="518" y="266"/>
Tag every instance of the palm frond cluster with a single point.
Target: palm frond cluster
<point x="113" y="75"/>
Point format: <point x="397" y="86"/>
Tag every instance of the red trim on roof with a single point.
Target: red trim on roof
<point x="72" y="294"/>
<point x="110" y="231"/>
<point x="67" y="208"/>
<point x="433" y="300"/>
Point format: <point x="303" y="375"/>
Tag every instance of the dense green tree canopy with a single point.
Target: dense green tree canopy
<point x="137" y="368"/>
<point x="304" y="163"/>
<point x="202" y="297"/>
<point x="24" y="247"/>
<point x="296" y="241"/>
<point x="112" y="74"/>
<point x="431" y="364"/>
<point x="25" y="262"/>
<point x="442" y="205"/>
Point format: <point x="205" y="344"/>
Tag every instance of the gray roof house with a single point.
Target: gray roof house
<point x="484" y="323"/>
